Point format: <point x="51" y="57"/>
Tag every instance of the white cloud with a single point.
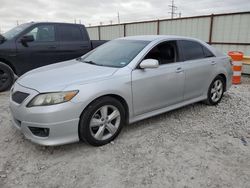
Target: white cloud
<point x="96" y="11"/>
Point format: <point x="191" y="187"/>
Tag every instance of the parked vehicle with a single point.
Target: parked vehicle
<point x="122" y="81"/>
<point x="32" y="45"/>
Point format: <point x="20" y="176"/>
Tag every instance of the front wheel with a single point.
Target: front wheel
<point x="101" y="121"/>
<point x="6" y="77"/>
<point x="215" y="91"/>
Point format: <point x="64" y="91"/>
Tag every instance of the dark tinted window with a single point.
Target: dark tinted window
<point x="165" y="52"/>
<point x="43" y="33"/>
<point x="71" y="33"/>
<point x="192" y="50"/>
<point x="207" y="52"/>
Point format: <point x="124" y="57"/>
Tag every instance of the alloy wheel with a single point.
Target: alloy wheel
<point x="105" y="122"/>
<point x="217" y="90"/>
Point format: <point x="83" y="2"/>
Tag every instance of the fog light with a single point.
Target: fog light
<point x="41" y="132"/>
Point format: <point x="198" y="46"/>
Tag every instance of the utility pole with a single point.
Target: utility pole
<point x="118" y="17"/>
<point x="17" y="23"/>
<point x="173" y="9"/>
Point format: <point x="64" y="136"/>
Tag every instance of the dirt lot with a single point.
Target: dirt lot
<point x="195" y="146"/>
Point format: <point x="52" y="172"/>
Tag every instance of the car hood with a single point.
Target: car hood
<point x="58" y="76"/>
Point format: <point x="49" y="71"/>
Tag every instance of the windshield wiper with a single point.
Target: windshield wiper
<point x="93" y="63"/>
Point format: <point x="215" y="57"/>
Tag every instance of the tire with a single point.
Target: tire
<point x="96" y="125"/>
<point x="215" y="91"/>
<point x="6" y="77"/>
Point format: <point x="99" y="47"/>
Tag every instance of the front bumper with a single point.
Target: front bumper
<point x="62" y="119"/>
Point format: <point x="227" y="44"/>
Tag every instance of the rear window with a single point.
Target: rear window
<point x="207" y="52"/>
<point x="70" y="33"/>
<point x="192" y="50"/>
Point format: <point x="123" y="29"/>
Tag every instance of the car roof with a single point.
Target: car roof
<point x="157" y="37"/>
<point x="35" y="23"/>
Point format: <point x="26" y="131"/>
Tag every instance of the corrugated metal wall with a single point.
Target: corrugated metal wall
<point x="224" y="31"/>
<point x="193" y="27"/>
<point x="93" y="33"/>
<point x="232" y="28"/>
<point x="149" y="28"/>
<point x="111" y="32"/>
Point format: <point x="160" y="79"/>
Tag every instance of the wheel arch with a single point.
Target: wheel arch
<point x="117" y="97"/>
<point x="225" y="80"/>
<point x="9" y="64"/>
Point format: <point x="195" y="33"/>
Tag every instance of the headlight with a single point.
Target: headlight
<point x="46" y="99"/>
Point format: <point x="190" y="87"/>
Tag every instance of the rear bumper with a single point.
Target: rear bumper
<point x="61" y="120"/>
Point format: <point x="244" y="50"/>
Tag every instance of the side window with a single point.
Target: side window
<point x="192" y="50"/>
<point x="207" y="52"/>
<point x="71" y="33"/>
<point x="43" y="33"/>
<point x="165" y="52"/>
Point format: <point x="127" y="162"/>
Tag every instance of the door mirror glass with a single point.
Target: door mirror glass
<point x="27" y="38"/>
<point x="149" y="64"/>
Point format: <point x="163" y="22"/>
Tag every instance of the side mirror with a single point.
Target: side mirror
<point x="27" y="38"/>
<point x="2" y="39"/>
<point x="149" y="64"/>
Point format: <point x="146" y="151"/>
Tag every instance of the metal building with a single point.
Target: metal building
<point x="230" y="31"/>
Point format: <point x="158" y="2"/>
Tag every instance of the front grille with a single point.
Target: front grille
<point x="19" y="97"/>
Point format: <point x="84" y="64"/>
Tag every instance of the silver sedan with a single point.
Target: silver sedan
<point x="122" y="81"/>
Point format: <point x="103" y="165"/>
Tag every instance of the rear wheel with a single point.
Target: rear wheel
<point x="102" y="121"/>
<point x="215" y="91"/>
<point x="6" y="77"/>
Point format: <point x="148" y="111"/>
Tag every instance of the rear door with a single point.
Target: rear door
<point x="199" y="65"/>
<point x="74" y="41"/>
<point x="159" y="87"/>
<point x="42" y="51"/>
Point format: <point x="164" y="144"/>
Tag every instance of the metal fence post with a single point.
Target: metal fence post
<point x="158" y="27"/>
<point x="211" y="29"/>
<point x="99" y="32"/>
<point x="124" y="29"/>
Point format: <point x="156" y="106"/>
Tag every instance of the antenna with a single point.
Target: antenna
<point x="173" y="9"/>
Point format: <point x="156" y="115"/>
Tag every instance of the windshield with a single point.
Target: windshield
<point x="116" y="53"/>
<point x="15" y="31"/>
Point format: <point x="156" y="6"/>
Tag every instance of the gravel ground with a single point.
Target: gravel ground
<point x="195" y="146"/>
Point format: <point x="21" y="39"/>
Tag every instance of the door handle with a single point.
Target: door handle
<point x="213" y="62"/>
<point x="52" y="47"/>
<point x="83" y="46"/>
<point x="179" y="70"/>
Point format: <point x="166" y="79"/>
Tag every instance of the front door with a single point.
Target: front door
<point x="42" y="51"/>
<point x="159" y="87"/>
